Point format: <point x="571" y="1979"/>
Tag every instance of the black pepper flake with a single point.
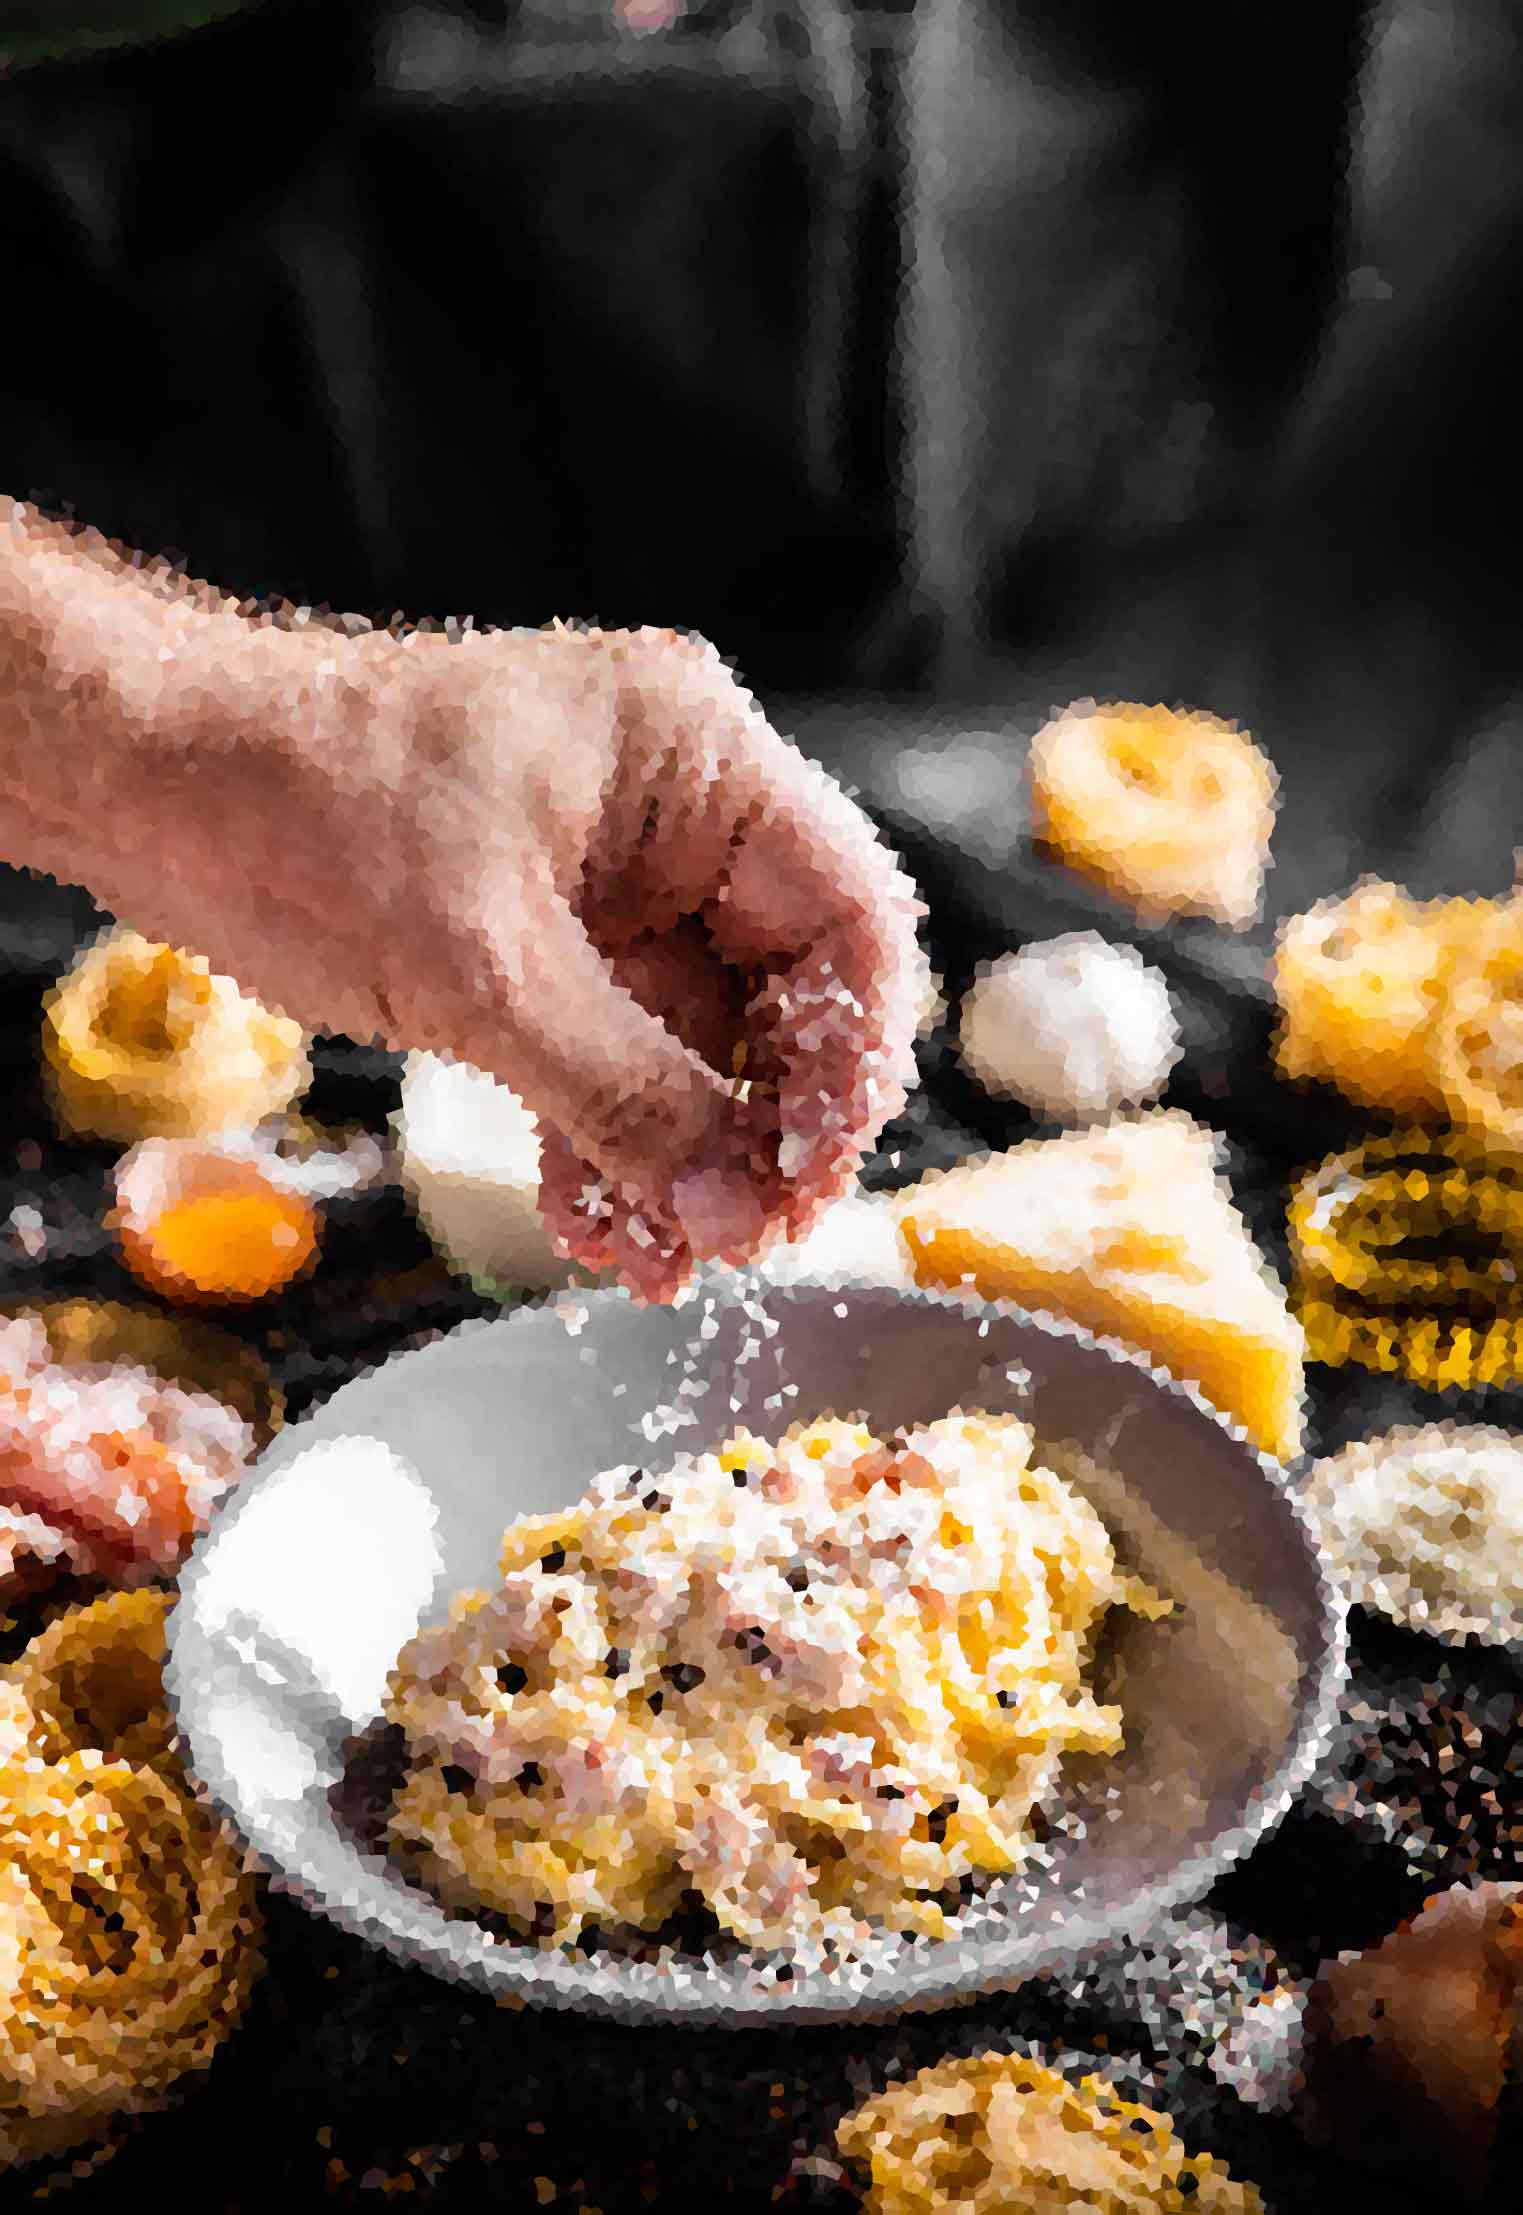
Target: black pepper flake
<point x="1448" y="1763"/>
<point x="554" y="1560"/>
<point x="616" y="1662"/>
<point x="936" y="1822"/>
<point x="655" y="1701"/>
<point x="740" y="1478"/>
<point x="890" y="1792"/>
<point x="797" y="1580"/>
<point x="511" y="1678"/>
<point x="683" y="1676"/>
<point x="457" y="1779"/>
<point x="652" y="1499"/>
<point x="530" y="1777"/>
<point x="1004" y="1699"/>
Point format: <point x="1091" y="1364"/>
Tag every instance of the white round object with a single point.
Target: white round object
<point x="1072" y="1027"/>
<point x="470" y="1159"/>
<point x="1425" y="1525"/>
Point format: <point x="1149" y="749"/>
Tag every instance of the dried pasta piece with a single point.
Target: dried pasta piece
<point x="1361" y="982"/>
<point x="1170" y="811"/>
<point x="1478" y="1048"/>
<point x="1004" y="2134"/>
<point x="142" y="1041"/>
<point x="129" y="1932"/>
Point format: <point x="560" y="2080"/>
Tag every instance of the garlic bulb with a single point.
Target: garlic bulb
<point x="1072" y="1027"/>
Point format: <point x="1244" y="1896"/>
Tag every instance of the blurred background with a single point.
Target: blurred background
<point x="942" y="362"/>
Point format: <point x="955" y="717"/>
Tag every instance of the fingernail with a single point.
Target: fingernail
<point x="720" y="1211"/>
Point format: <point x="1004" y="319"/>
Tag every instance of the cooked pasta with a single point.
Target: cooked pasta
<point x="818" y="1685"/>
<point x="128" y="1929"/>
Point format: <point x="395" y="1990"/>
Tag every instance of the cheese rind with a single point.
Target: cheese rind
<point x="1129" y="1231"/>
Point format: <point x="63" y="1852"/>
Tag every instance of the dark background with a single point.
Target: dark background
<point x="941" y="364"/>
<point x="973" y="355"/>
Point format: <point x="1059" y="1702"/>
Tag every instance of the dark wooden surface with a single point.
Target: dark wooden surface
<point x="356" y="2079"/>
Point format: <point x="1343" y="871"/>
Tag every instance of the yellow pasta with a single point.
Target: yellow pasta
<point x="816" y="1685"/>
<point x="1478" y="1048"/>
<point x="1005" y="2135"/>
<point x="128" y="1927"/>
<point x="1171" y="811"/>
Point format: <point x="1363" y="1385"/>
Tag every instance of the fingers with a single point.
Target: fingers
<point x="597" y="1065"/>
<point x="816" y="903"/>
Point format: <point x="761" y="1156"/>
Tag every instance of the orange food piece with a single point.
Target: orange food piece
<point x="224" y="1246"/>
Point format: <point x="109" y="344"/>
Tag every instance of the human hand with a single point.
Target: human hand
<point x="585" y="863"/>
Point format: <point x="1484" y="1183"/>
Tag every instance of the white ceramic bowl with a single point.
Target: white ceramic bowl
<point x="364" y="1519"/>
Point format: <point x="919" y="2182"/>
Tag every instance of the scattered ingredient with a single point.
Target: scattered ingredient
<point x="1445" y="1765"/>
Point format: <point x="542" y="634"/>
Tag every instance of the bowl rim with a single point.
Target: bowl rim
<point x="520" y="1976"/>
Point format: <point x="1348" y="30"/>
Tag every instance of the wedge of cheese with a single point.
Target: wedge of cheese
<point x="1129" y="1230"/>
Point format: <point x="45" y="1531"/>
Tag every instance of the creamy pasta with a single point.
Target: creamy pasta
<point x="810" y="1686"/>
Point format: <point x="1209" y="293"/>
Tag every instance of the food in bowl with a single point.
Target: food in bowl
<point x="807" y="1688"/>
